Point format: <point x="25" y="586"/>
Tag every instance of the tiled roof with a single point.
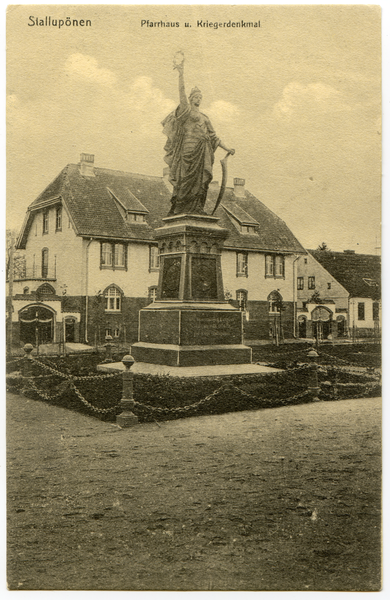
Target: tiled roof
<point x="96" y="213"/>
<point x="127" y="200"/>
<point x="239" y="213"/>
<point x="360" y="274"/>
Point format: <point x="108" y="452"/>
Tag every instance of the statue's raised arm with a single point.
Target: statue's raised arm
<point x="190" y="149"/>
<point x="178" y="64"/>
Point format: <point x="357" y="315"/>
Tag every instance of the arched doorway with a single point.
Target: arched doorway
<point x="36" y="325"/>
<point x="322" y="322"/>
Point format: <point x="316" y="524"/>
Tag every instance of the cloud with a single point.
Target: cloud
<point x="299" y="99"/>
<point x="82" y="66"/>
<point x="222" y="111"/>
<point x="144" y="97"/>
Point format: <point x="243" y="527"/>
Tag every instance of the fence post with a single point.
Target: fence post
<point x="108" y="346"/>
<point x="313" y="386"/>
<point x="127" y="418"/>
<point x="27" y="363"/>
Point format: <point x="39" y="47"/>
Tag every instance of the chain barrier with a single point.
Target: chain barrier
<point x="336" y="358"/>
<point x="69" y="384"/>
<point x="66" y="386"/>
<point x="357" y="371"/>
<point x="303" y="367"/>
<point x="155" y="410"/>
<point x="75" y="378"/>
<point x="12" y="362"/>
<point x="94" y="408"/>
<point x="50" y="363"/>
<point x="267" y="400"/>
<point x="342" y="360"/>
<point x="368" y="385"/>
<point x="43" y="394"/>
<point x="47" y="368"/>
<point x="97" y="377"/>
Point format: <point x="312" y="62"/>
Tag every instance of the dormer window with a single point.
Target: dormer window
<point x="248" y="229"/>
<point x="135" y="217"/>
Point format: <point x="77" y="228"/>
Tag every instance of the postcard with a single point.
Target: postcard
<point x="194" y="297"/>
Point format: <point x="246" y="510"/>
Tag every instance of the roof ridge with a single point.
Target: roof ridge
<point x="343" y="253"/>
<point x="127" y="173"/>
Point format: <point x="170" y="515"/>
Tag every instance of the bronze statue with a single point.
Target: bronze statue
<point x="190" y="149"/>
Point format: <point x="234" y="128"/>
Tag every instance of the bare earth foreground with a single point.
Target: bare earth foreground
<point x="277" y="499"/>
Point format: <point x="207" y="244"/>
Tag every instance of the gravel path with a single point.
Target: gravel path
<point x="277" y="499"/>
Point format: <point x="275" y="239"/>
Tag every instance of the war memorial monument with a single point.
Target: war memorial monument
<point x="191" y="323"/>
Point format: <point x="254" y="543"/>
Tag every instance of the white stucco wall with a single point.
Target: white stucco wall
<point x="322" y="278"/>
<point x="134" y="282"/>
<point x="256" y="283"/>
<point x="368" y="321"/>
<point x="65" y="251"/>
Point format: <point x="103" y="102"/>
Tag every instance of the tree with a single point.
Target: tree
<point x="323" y="247"/>
<point x="315" y="298"/>
<point x="14" y="256"/>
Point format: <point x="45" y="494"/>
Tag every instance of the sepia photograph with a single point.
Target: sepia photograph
<point x="193" y="298"/>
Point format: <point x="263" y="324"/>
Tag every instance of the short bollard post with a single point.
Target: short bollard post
<point x="313" y="386"/>
<point x="28" y="360"/>
<point x="127" y="418"/>
<point x="108" y="346"/>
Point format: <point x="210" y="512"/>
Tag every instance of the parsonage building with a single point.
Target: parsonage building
<point x="92" y="260"/>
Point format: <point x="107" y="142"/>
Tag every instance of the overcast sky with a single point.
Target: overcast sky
<point x="298" y="98"/>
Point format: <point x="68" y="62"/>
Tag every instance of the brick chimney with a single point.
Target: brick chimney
<point x="86" y="164"/>
<point x="239" y="187"/>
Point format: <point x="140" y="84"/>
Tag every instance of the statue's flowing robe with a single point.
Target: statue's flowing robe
<point x="189" y="152"/>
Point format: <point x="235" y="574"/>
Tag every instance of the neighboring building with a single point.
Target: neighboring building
<point x="338" y="294"/>
<point x="92" y="260"/>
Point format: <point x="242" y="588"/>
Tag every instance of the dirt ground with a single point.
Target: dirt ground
<point x="276" y="499"/>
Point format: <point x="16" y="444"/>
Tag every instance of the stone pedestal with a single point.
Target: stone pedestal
<point x="190" y="324"/>
<point x="127" y="418"/>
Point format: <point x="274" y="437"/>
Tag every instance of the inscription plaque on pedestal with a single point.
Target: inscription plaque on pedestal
<point x="204" y="278"/>
<point x="171" y="277"/>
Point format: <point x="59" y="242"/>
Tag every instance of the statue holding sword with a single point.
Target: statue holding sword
<point x="189" y="150"/>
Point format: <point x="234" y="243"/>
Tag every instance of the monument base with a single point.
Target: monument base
<point x="188" y="334"/>
<point x="191" y="356"/>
